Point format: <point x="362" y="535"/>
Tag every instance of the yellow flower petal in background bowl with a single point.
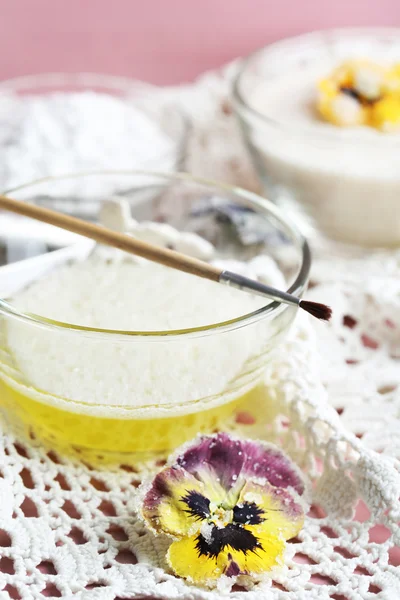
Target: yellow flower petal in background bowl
<point x="385" y="114"/>
<point x="360" y="92"/>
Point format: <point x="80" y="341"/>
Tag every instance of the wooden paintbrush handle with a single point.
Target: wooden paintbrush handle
<point x="163" y="256"/>
<point x="102" y="235"/>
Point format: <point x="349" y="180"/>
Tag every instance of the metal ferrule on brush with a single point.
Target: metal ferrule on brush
<point x="244" y="283"/>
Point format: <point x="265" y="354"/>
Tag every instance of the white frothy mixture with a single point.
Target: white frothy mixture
<point x="347" y="178"/>
<point x="60" y="133"/>
<point x="127" y="295"/>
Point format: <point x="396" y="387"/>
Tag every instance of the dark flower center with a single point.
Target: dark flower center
<point x="198" y="505"/>
<point x="353" y="93"/>
<point x="248" y="513"/>
<point x="233" y="535"/>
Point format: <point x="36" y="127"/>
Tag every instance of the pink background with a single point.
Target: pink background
<point x="162" y="41"/>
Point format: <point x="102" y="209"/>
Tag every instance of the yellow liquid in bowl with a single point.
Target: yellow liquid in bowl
<point x="93" y="436"/>
<point x="107" y="434"/>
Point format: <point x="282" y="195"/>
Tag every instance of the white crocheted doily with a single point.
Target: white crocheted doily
<point x="67" y="530"/>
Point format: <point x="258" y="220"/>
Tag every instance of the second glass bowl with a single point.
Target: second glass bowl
<point x="34" y="397"/>
<point x="343" y="182"/>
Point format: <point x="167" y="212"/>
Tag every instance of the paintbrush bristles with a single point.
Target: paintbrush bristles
<point x="317" y="310"/>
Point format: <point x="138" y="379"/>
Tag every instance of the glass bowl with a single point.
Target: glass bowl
<point x="56" y="123"/>
<point x="344" y="182"/>
<point x="44" y="362"/>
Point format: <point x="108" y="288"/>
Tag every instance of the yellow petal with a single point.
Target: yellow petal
<point x="184" y="560"/>
<point x="164" y="508"/>
<point x="327" y="88"/>
<point x="385" y="114"/>
<point x="215" y="491"/>
<point x="268" y="555"/>
<point x="283" y="515"/>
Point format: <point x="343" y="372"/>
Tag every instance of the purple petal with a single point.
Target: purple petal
<point x="233" y="569"/>
<point x="222" y="454"/>
<point x="161" y="486"/>
<point x="174" y="503"/>
<point x="270" y="463"/>
<point x="228" y="458"/>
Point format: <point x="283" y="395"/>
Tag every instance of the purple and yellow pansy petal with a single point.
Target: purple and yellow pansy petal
<point x="217" y="458"/>
<point x="265" y="461"/>
<point x="269" y="511"/>
<point x="176" y="503"/>
<point x="215" y="492"/>
<point x="185" y="561"/>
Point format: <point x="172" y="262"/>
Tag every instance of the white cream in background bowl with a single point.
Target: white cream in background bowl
<point x="345" y="181"/>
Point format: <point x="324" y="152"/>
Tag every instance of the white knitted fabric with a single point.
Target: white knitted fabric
<point x="70" y="531"/>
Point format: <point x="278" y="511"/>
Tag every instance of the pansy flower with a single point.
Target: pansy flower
<point x="229" y="504"/>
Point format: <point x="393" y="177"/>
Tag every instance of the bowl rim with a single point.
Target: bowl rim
<point x="240" y="102"/>
<point x="270" y="309"/>
<point x="89" y="78"/>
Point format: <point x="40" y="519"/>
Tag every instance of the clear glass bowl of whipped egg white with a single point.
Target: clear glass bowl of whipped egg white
<point x="320" y="114"/>
<point x="110" y="356"/>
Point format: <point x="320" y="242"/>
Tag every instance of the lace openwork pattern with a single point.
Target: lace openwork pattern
<point x="69" y="530"/>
